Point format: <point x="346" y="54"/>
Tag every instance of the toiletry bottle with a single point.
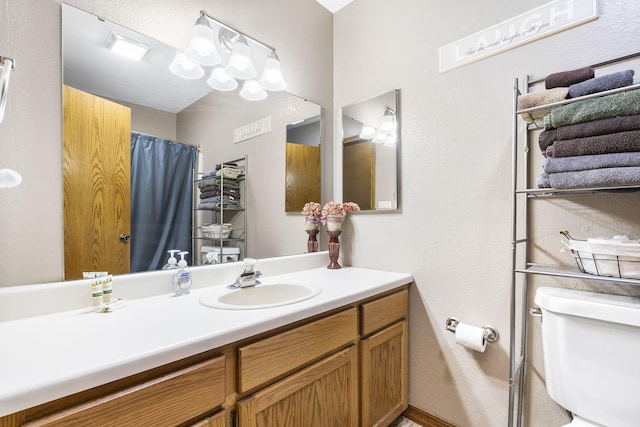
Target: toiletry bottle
<point x="172" y="263"/>
<point x="96" y="294"/>
<point x="182" y="278"/>
<point x="107" y="288"/>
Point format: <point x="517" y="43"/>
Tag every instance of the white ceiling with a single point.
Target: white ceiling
<point x="334" y="5"/>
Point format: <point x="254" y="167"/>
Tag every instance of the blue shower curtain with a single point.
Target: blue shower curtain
<point x="161" y="200"/>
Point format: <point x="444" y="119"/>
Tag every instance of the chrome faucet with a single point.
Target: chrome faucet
<point x="249" y="277"/>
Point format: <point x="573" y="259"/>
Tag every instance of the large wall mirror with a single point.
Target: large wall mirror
<point x="187" y="113"/>
<point x="371" y="152"/>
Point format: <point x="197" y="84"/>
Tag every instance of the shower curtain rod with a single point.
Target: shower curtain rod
<point x="176" y="142"/>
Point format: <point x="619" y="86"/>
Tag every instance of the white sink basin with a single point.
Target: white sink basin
<point x="265" y="295"/>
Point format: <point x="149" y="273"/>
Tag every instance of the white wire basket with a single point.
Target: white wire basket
<point x="216" y="231"/>
<point x="603" y="257"/>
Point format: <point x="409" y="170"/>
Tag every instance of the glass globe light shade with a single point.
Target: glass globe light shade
<point x="367" y="132"/>
<point x="202" y="48"/>
<point x="252" y="91"/>
<point x="181" y="66"/>
<point x="240" y="65"/>
<point x="272" y="78"/>
<point x="220" y="80"/>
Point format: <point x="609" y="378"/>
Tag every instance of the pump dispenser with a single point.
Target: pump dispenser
<point x="172" y="263"/>
<point x="182" y="278"/>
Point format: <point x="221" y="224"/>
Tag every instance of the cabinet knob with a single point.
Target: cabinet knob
<point x="125" y="238"/>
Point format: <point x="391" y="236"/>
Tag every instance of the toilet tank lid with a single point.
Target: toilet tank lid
<point x="592" y="305"/>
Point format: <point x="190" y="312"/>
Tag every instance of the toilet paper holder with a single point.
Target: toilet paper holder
<point x="491" y="334"/>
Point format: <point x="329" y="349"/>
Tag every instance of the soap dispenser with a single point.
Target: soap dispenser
<point x="182" y="278"/>
<point x="172" y="263"/>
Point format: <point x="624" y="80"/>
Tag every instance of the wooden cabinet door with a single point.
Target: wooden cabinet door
<point x="323" y="394"/>
<point x="302" y="181"/>
<point x="222" y="419"/>
<point x="384" y="375"/>
<point x="97" y="181"/>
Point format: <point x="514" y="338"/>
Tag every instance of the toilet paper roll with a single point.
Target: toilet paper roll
<point x="471" y="337"/>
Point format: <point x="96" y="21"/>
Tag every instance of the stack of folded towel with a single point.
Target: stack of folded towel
<point x="217" y="192"/>
<point x="593" y="142"/>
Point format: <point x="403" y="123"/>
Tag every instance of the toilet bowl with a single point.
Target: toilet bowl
<point x="591" y="349"/>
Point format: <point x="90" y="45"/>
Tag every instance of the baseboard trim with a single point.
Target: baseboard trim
<point x="425" y="419"/>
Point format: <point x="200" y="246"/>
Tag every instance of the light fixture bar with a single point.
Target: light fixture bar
<point x="229" y="27"/>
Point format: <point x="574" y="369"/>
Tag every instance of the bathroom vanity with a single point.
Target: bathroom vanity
<point x="339" y="358"/>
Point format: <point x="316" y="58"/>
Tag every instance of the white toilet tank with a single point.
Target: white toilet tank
<point x="591" y="346"/>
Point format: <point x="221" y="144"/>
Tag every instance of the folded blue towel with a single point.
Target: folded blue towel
<point x="598" y="161"/>
<point x="600" y="84"/>
<point x="606" y="177"/>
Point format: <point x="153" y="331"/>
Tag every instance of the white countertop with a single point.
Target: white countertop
<point x="54" y="355"/>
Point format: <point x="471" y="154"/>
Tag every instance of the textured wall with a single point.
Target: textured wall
<point x="454" y="231"/>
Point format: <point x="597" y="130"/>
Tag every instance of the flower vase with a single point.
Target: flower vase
<point x="334" y="228"/>
<point x="312" y="242"/>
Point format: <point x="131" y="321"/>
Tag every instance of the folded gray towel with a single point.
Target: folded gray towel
<point x="600" y="84"/>
<point x="616" y="104"/>
<point x="606" y="177"/>
<point x="620" y="142"/>
<point x="592" y="128"/>
<point x="567" y="78"/>
<point x="597" y="161"/>
<point x="543" y="181"/>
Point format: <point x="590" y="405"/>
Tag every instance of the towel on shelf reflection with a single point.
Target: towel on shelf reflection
<point x="620" y="142"/>
<point x="616" y="104"/>
<point x="215" y="191"/>
<point x="605" y="177"/>
<point x="567" y="78"/>
<point x="601" y="84"/>
<point x="229" y="172"/>
<point x="535" y="99"/>
<point x="217" y="203"/>
<point x="216" y="181"/>
<point x="598" y="161"/>
<point x="592" y="128"/>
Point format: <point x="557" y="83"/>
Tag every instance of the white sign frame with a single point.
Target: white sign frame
<point x="252" y="130"/>
<point x="543" y="21"/>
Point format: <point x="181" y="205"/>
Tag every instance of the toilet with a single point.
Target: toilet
<point x="591" y="348"/>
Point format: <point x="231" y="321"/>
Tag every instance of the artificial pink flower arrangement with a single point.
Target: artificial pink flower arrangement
<point x="312" y="211"/>
<point x="339" y="209"/>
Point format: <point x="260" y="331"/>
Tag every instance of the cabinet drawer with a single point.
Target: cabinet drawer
<point x="166" y="401"/>
<point x="270" y="358"/>
<point x="384" y="311"/>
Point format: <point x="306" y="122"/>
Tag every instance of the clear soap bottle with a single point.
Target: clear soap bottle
<point x="172" y="263"/>
<point x="182" y="278"/>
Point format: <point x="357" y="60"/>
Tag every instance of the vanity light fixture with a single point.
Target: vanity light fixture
<point x="203" y="51"/>
<point x="386" y="131"/>
<point x="387" y="124"/>
<point x="126" y="46"/>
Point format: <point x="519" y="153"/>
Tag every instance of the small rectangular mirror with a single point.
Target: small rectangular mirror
<point x="371" y="152"/>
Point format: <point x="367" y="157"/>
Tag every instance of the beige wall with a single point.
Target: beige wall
<point x="454" y="231"/>
<point x="30" y="136"/>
